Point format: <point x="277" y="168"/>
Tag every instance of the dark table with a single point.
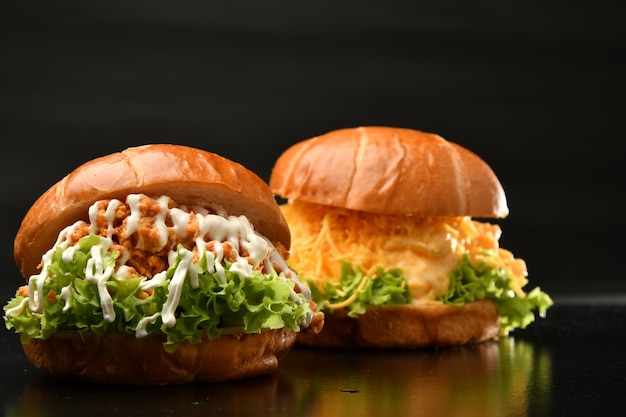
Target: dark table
<point x="570" y="363"/>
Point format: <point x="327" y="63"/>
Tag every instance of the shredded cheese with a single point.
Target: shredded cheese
<point x="425" y="249"/>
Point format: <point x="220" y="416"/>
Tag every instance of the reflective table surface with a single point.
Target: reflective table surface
<point x="570" y="363"/>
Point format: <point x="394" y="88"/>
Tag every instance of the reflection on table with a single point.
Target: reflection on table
<point x="489" y="379"/>
<point x="506" y="377"/>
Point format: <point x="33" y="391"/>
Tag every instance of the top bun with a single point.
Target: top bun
<point x="189" y="176"/>
<point x="388" y="170"/>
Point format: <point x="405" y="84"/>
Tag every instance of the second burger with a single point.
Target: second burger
<point x="383" y="233"/>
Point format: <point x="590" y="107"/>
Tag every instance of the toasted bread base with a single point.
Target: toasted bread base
<point x="407" y="327"/>
<point x="123" y="359"/>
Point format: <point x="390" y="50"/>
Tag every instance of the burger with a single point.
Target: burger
<point x="160" y="264"/>
<point x="387" y="233"/>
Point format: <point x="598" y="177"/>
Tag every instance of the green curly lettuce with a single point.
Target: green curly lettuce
<point x="468" y="283"/>
<point x="245" y="304"/>
<point x="386" y="287"/>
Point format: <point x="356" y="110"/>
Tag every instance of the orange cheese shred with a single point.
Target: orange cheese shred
<point x="426" y="249"/>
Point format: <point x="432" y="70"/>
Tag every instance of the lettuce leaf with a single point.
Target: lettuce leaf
<point x="246" y="304"/>
<point x="386" y="287"/>
<point x="468" y="283"/>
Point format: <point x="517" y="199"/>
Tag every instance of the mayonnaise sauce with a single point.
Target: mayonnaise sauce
<point x="97" y="274"/>
<point x="17" y="310"/>
<point x="214" y="228"/>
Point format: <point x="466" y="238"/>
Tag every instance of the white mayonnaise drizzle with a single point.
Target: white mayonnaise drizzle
<point x="66" y="293"/>
<point x="215" y="228"/>
<point x="35" y="282"/>
<point x="175" y="287"/>
<point x="109" y="214"/>
<point x="142" y="326"/>
<point x="96" y="274"/>
<point x="132" y="221"/>
<point x="17" y="310"/>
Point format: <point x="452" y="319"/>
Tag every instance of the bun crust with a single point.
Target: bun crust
<point x="118" y="358"/>
<point x="389" y="170"/>
<point x="407" y="327"/>
<point x="189" y="176"/>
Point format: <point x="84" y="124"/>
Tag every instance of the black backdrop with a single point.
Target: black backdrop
<point x="534" y="87"/>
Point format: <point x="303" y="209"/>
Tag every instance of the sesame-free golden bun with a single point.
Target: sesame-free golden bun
<point x="389" y="170"/>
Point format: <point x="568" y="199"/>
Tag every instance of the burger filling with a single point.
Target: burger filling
<point x="353" y="259"/>
<point x="150" y="266"/>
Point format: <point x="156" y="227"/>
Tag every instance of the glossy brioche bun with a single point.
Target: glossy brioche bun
<point x="397" y="172"/>
<point x="389" y="170"/>
<point x="117" y="358"/>
<point x="407" y="327"/>
<point x="189" y="176"/>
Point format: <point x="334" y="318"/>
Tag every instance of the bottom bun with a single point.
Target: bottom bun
<point x="407" y="326"/>
<point x="122" y="359"/>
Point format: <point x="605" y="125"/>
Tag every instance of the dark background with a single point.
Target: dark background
<point x="534" y="87"/>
